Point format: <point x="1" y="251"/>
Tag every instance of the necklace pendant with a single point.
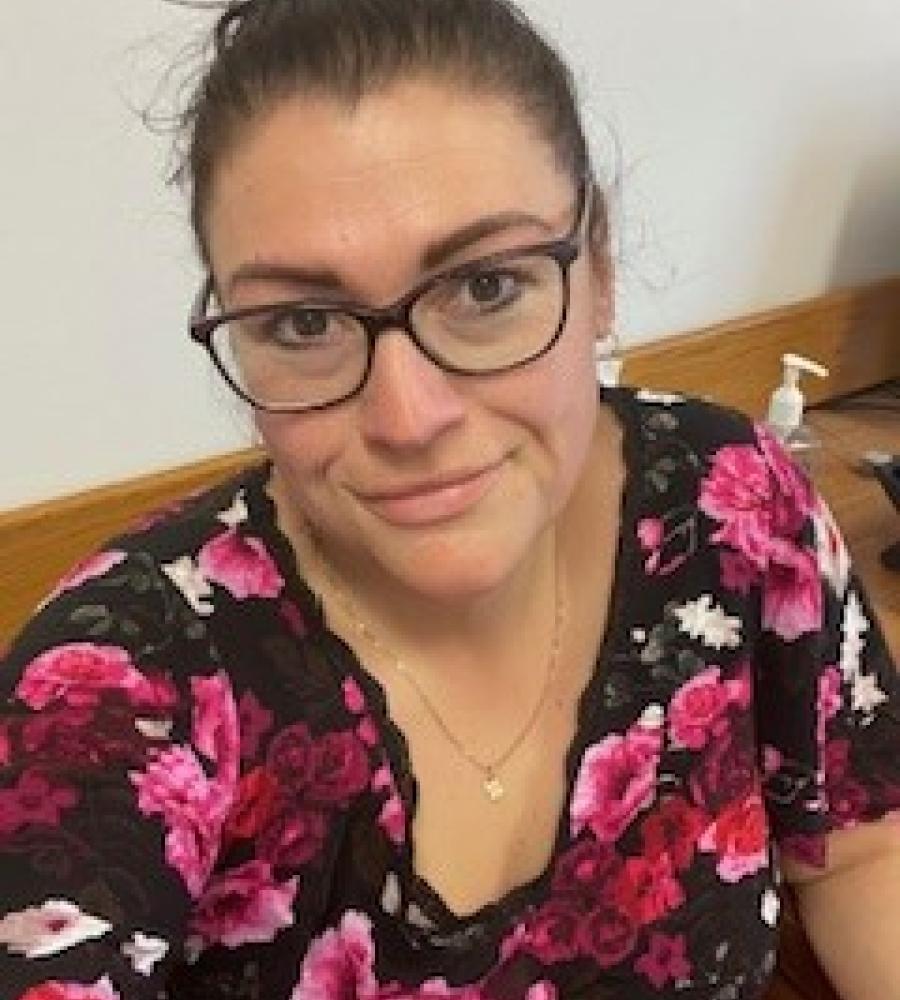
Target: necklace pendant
<point x="493" y="788"/>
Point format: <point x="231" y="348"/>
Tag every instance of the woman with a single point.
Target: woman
<point x="483" y="687"/>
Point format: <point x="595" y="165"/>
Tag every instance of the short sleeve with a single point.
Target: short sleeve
<point x="828" y="695"/>
<point x="115" y="772"/>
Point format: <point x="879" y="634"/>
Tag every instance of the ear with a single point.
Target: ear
<point x="602" y="299"/>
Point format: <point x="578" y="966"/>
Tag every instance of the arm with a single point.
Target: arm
<point x="851" y="909"/>
<point x="104" y="842"/>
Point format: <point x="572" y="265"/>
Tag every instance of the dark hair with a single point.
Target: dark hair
<point x="266" y="50"/>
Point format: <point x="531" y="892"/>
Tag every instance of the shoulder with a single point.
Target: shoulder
<point x="705" y="425"/>
<point x="148" y="585"/>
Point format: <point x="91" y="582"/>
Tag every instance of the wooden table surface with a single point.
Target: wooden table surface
<point x="861" y="507"/>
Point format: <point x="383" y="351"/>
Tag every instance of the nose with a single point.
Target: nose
<point x="407" y="401"/>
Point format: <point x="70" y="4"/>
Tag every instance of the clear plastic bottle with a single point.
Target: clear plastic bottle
<point x="786" y="409"/>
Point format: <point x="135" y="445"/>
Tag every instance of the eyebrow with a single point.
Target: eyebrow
<point x="433" y="256"/>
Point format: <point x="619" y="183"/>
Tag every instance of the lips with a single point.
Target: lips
<point x="434" y="500"/>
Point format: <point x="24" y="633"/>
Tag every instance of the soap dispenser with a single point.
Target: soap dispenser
<point x="786" y="406"/>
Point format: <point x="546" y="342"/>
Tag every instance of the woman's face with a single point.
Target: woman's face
<point x="350" y="201"/>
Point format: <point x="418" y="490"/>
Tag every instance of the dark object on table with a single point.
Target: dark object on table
<point x="888" y="474"/>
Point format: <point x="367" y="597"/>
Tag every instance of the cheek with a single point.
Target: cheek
<point x="304" y="447"/>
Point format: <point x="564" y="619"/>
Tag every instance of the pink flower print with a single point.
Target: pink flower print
<point x="828" y="701"/>
<point x="193" y="807"/>
<point x="697" y="709"/>
<point x="651" y="533"/>
<point x="91" y="568"/>
<point x="255" y="721"/>
<point x="794" y="499"/>
<point x="607" y="935"/>
<point x="739" y="838"/>
<point x="646" y="889"/>
<point x="737" y="492"/>
<point x="542" y="991"/>
<point x="354" y="699"/>
<point x="5" y="747"/>
<point x="214" y="731"/>
<point x="77" y="673"/>
<point x="728" y="771"/>
<point x="367" y="731"/>
<point x="154" y="693"/>
<point x="847" y="802"/>
<point x="763" y="502"/>
<point x="290" y="756"/>
<point x="392" y="819"/>
<point x="772" y="759"/>
<point x="551" y="932"/>
<point x="53" y="927"/>
<point x="587" y="872"/>
<point x="672" y="830"/>
<point x="616" y="780"/>
<point x="92" y="737"/>
<point x="101" y="990"/>
<point x="338" y="964"/>
<point x="666" y="961"/>
<point x="33" y="801"/>
<point x="810" y="850"/>
<point x="241" y="565"/>
<point x="792" y="594"/>
<point x="340" y="769"/>
<point x="293" y="616"/>
<point x="292" y="836"/>
<point x="253" y="806"/>
<point x="738" y="573"/>
<point x="244" y="906"/>
<point x="844" y="797"/>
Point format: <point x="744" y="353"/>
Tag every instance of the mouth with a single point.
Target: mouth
<point x="435" y="500"/>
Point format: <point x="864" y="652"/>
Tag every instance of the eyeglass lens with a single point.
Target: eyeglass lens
<point x="302" y="356"/>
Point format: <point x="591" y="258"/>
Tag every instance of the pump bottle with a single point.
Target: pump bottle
<point x="786" y="408"/>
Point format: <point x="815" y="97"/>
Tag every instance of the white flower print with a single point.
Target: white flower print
<point x="769" y="907"/>
<point x="154" y="729"/>
<point x="192" y="583"/>
<point x="701" y="619"/>
<point x="237" y="513"/>
<point x="866" y="695"/>
<point x="652" y="717"/>
<point x="50" y="928"/>
<point x="660" y="398"/>
<point x="390" y="894"/>
<point x="144" y="951"/>
<point x="831" y="552"/>
<point x="854" y="626"/>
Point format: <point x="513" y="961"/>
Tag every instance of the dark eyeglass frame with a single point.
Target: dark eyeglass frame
<point x="397" y="316"/>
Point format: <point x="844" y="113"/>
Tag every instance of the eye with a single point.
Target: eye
<point x="300" y="325"/>
<point x="296" y="328"/>
<point x="488" y="290"/>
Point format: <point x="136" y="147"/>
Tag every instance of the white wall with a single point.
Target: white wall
<point x="759" y="149"/>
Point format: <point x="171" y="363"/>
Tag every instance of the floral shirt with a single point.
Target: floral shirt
<point x="203" y="797"/>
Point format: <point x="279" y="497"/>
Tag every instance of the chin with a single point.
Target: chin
<point x="450" y="568"/>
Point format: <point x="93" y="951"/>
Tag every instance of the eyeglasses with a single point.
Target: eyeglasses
<point x="485" y="316"/>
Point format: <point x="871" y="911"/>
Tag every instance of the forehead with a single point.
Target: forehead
<point x="405" y="164"/>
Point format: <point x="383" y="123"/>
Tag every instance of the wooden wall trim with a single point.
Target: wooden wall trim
<point x="40" y="542"/>
<point x="856" y="333"/>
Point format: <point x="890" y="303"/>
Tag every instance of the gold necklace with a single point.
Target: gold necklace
<point x="490" y="779"/>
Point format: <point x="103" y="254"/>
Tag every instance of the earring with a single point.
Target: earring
<point x="607" y="360"/>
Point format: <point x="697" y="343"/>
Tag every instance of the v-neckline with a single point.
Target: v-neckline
<point x="444" y="920"/>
